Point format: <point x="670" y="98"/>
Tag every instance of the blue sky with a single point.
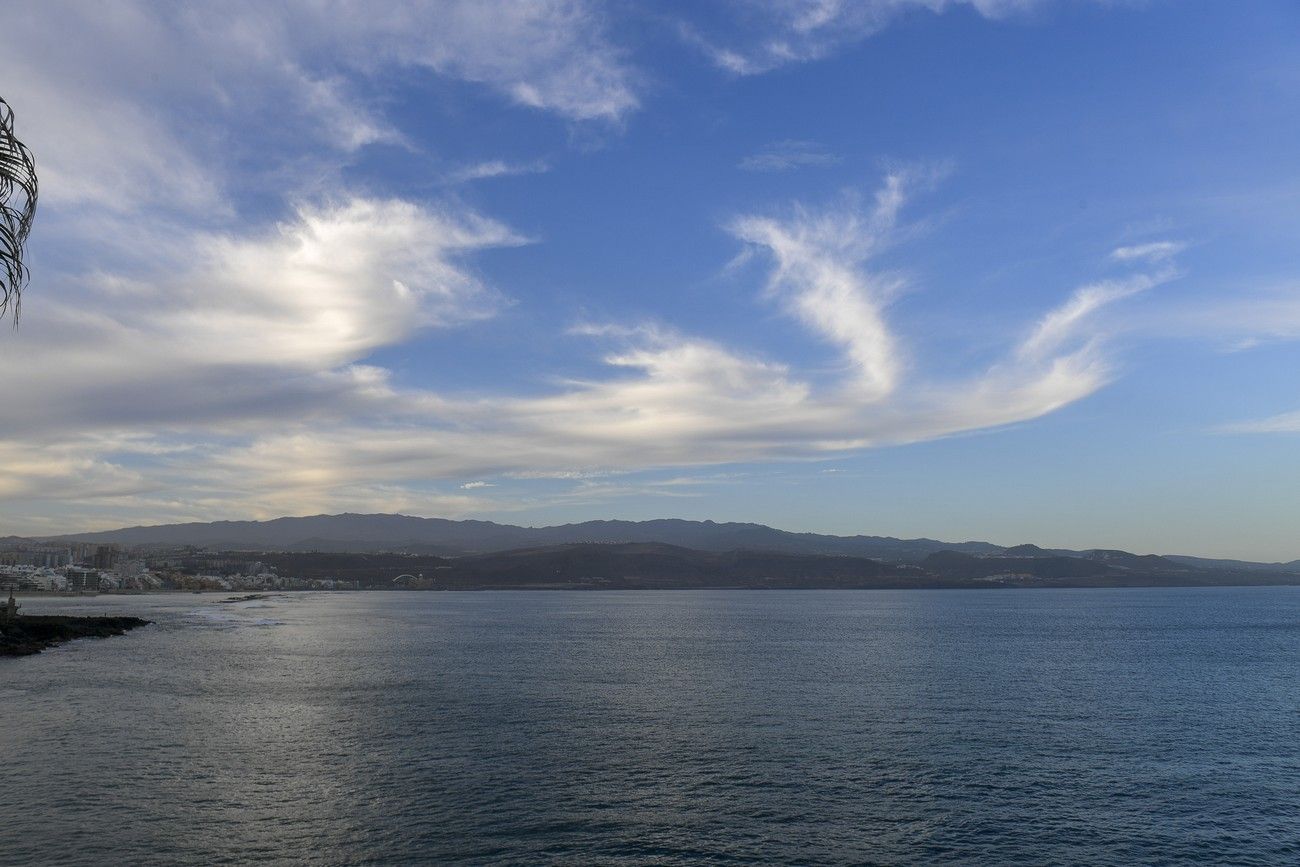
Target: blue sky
<point x="1002" y="269"/>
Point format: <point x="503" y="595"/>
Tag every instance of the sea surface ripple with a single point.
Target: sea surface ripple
<point x="860" y="727"/>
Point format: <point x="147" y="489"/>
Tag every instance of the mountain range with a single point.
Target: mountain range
<point x="382" y="533"/>
<point x="403" y="533"/>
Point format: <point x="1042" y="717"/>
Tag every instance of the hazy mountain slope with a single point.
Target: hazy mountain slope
<point x="360" y="533"/>
<point x="1213" y="563"/>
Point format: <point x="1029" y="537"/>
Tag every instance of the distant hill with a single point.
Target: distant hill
<point x="443" y="538"/>
<point x="402" y="533"/>
<point x="954" y="563"/>
<point x="1136" y="562"/>
<point x="1211" y="563"/>
<point x="1026" y="551"/>
<point x="1110" y="564"/>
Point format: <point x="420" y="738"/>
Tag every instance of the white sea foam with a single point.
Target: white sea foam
<point x="228" y="619"/>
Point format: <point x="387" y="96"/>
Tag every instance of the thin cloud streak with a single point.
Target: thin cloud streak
<point x="1060" y="325"/>
<point x="790" y="154"/>
<point x="1285" y="423"/>
<point x="267" y="77"/>
<point x="785" y="32"/>
<point x="495" y="169"/>
<point x="1155" y="251"/>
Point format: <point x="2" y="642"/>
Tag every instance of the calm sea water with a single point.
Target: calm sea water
<point x="1074" y="726"/>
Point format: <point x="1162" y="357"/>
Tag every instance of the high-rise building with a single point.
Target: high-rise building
<point x="81" y="580"/>
<point x="105" y="556"/>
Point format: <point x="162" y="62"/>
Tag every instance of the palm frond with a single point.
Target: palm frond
<point x="17" y="210"/>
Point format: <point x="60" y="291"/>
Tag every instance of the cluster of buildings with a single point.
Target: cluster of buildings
<point x="75" y="568"/>
<point x="91" y="568"/>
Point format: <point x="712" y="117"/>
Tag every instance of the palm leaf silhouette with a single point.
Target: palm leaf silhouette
<point x="17" y="210"/>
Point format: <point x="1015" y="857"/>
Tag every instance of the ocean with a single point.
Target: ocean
<point x="1134" y="726"/>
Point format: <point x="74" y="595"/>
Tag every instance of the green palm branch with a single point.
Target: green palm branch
<point x="17" y="210"/>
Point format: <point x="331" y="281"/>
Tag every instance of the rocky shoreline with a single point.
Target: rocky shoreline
<point x="28" y="634"/>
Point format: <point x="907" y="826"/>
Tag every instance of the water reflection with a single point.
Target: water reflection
<point x="1083" y="726"/>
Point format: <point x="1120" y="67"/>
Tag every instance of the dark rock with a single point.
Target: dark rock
<point x="28" y="634"/>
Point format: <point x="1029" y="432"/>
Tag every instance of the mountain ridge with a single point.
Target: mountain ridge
<point x="382" y="532"/>
<point x="351" y="532"/>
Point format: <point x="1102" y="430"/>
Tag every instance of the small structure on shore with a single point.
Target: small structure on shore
<point x="10" y="609"/>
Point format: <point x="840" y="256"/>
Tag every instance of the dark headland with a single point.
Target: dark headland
<point x="27" y="634"/>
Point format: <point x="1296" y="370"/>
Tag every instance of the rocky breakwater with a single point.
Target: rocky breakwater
<point x="27" y="634"/>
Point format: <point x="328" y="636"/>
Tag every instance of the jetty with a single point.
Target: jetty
<point x="25" y="634"/>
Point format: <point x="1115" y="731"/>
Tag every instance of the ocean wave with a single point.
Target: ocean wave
<point x="228" y="619"/>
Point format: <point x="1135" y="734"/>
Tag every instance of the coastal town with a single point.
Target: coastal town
<point x="85" y="568"/>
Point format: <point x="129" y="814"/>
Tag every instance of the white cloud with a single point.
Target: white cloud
<point x="136" y="105"/>
<point x="1235" y="318"/>
<point x="1059" y="326"/>
<point x="818" y="275"/>
<point x="1287" y="422"/>
<point x="280" y="319"/>
<point x="781" y="32"/>
<point x="551" y="54"/>
<point x="1156" y="251"/>
<point x="789" y="154"/>
<point x="495" y="169"/>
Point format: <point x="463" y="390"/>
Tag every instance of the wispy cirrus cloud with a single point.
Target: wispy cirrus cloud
<point x="1154" y="251"/>
<point x="1283" y="423"/>
<point x="552" y="55"/>
<point x="818" y="273"/>
<point x="1248" y="321"/>
<point x="789" y="154"/>
<point x="766" y="36"/>
<point x="1234" y="318"/>
<point x="137" y="105"/>
<point x="1062" y="324"/>
<point x="495" y="169"/>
